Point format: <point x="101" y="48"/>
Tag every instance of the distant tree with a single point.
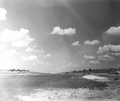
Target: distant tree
<point x="90" y="70"/>
<point x="84" y="70"/>
<point x="74" y="71"/>
<point x="12" y="70"/>
<point x="18" y="70"/>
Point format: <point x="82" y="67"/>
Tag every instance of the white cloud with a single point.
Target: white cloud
<point x="8" y="35"/>
<point x="29" y="58"/>
<point x="108" y="48"/>
<point x="35" y="45"/>
<point x="45" y="63"/>
<point x="113" y="31"/>
<point x="45" y="56"/>
<point x="76" y="43"/>
<point x="105" y="57"/>
<point x="41" y="51"/>
<point x="17" y="38"/>
<point x="89" y="57"/>
<point x="69" y="31"/>
<point x="94" y="42"/>
<point x="29" y="49"/>
<point x="32" y="49"/>
<point x="20" y="44"/>
<point x="48" y="55"/>
<point x="115" y="54"/>
<point x="95" y="62"/>
<point x="3" y="13"/>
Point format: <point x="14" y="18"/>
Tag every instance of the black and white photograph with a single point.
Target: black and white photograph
<point x="59" y="50"/>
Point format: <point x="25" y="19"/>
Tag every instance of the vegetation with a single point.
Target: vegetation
<point x="18" y="70"/>
<point x="109" y="70"/>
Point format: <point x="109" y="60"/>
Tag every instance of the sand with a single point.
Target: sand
<point x="52" y="94"/>
<point x="96" y="78"/>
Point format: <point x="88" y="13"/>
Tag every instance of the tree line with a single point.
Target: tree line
<point x="90" y="70"/>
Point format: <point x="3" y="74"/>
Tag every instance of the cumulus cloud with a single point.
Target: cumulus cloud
<point x="108" y="48"/>
<point x="95" y="62"/>
<point x="32" y="49"/>
<point x="48" y="55"/>
<point x="20" y="43"/>
<point x="17" y="38"/>
<point x="113" y="31"/>
<point x="105" y="57"/>
<point x="115" y="54"/>
<point x="76" y="43"/>
<point x="94" y="42"/>
<point x="42" y="51"/>
<point x="29" y="49"/>
<point x="45" y="56"/>
<point x="59" y="31"/>
<point x="111" y="35"/>
<point x="3" y="13"/>
<point x="29" y="58"/>
<point x="45" y="63"/>
<point x="89" y="57"/>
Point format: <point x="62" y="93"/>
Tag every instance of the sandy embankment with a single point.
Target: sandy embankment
<point x="72" y="95"/>
<point x="96" y="78"/>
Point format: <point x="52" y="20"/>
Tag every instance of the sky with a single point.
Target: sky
<point x="59" y="35"/>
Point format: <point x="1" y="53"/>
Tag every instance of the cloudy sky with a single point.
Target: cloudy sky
<point x="59" y="35"/>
